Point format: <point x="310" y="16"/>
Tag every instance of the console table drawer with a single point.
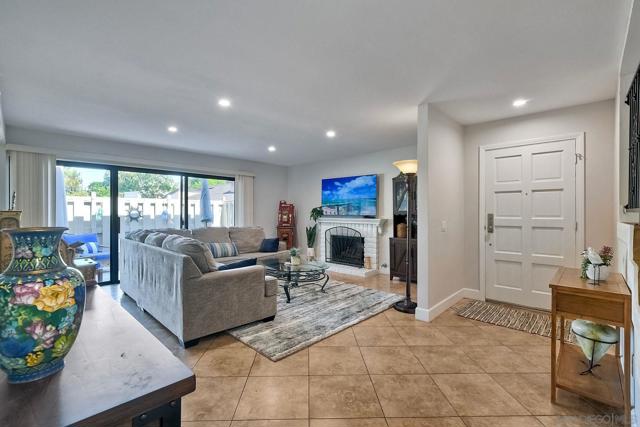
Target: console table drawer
<point x="591" y="308"/>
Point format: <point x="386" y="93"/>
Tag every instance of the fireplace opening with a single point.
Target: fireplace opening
<point x="344" y="245"/>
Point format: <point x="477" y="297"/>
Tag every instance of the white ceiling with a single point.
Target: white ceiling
<point x="295" y="68"/>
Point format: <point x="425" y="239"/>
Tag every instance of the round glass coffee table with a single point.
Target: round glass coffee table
<point x="293" y="276"/>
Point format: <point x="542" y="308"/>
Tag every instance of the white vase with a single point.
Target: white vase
<point x="295" y="260"/>
<point x="591" y="272"/>
<point x="311" y="253"/>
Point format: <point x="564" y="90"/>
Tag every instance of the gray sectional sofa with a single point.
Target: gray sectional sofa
<point x="177" y="281"/>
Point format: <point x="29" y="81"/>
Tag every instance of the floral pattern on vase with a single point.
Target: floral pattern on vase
<point x="41" y="306"/>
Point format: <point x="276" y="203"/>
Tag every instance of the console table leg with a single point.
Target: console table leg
<point x="553" y="345"/>
<point x="167" y="415"/>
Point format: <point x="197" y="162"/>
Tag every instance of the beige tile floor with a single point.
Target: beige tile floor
<point x="389" y="370"/>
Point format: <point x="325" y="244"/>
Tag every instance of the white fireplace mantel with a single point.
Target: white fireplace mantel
<point x="370" y="229"/>
<point x="342" y="220"/>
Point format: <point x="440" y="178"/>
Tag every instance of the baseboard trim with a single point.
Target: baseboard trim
<point x="428" y="314"/>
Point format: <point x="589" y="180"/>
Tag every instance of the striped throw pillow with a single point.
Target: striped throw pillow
<point x="223" y="250"/>
<point x="89" y="248"/>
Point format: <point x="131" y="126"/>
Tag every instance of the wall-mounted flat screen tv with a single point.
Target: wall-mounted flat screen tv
<point x="350" y="196"/>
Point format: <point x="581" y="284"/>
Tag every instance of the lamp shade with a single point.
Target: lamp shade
<point x="407" y="166"/>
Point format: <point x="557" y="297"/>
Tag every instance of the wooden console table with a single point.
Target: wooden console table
<point x="607" y="303"/>
<point x="116" y="374"/>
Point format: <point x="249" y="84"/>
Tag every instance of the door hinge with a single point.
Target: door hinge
<point x="578" y="157"/>
<point x="576" y="226"/>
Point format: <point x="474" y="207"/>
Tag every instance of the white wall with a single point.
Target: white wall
<point x="625" y="231"/>
<point x="270" y="180"/>
<point x="597" y="121"/>
<point x="445" y="175"/>
<point x="305" y="187"/>
<point x="4" y="172"/>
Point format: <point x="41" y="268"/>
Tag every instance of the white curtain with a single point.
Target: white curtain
<point x="244" y="201"/>
<point x="61" y="199"/>
<point x="33" y="178"/>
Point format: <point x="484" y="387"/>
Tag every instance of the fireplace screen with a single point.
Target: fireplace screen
<point x="344" y="245"/>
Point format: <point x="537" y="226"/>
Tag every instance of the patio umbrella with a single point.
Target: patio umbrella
<point x="61" y="199"/>
<point x="206" y="213"/>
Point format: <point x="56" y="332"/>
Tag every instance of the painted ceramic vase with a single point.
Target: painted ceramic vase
<point x="41" y="305"/>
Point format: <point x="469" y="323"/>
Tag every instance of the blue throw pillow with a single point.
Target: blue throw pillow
<point x="223" y="250"/>
<point x="269" y="245"/>
<point x="238" y="264"/>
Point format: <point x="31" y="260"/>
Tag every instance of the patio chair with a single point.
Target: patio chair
<point x="89" y="248"/>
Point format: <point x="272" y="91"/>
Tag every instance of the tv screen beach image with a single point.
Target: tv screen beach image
<point x="350" y="196"/>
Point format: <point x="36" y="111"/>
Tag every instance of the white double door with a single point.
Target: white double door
<point x="530" y="190"/>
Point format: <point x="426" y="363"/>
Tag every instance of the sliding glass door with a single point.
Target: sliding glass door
<point x="106" y="202"/>
<point x="86" y="200"/>
<point x="209" y="202"/>
<point x="148" y="200"/>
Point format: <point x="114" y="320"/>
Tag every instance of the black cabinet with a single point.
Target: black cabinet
<point x="398" y="243"/>
<point x="398" y="258"/>
<point x="400" y="195"/>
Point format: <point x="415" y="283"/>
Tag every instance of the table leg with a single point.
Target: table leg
<point x="627" y="367"/>
<point x="166" y="415"/>
<point x="325" y="283"/>
<point x="553" y="347"/>
<point x="286" y="291"/>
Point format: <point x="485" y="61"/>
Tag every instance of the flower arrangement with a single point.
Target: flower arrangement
<point x="606" y="255"/>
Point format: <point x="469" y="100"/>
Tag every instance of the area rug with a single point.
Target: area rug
<point x="311" y="316"/>
<point x="512" y="317"/>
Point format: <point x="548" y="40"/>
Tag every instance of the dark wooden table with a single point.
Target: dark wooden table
<point x="116" y="374"/>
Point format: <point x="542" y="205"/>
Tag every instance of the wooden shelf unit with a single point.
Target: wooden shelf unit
<point x="607" y="303"/>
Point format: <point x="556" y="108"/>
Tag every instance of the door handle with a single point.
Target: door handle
<point x="490" y="223"/>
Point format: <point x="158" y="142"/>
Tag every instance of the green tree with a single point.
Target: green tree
<point x="99" y="188"/>
<point x="73" y="183"/>
<point x="196" y="183"/>
<point x="149" y="185"/>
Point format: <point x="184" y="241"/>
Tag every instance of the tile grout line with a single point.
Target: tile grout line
<point x="244" y="386"/>
<point x="373" y="385"/>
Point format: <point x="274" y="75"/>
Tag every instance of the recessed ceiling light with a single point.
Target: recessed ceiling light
<point x="331" y="134"/>
<point x="271" y="148"/>
<point x="224" y="102"/>
<point x="520" y="102"/>
<point x="172" y="129"/>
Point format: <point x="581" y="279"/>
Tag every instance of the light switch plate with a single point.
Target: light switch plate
<point x="443" y="225"/>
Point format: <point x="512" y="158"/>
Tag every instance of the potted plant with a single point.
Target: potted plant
<point x="312" y="231"/>
<point x="590" y="257"/>
<point x="295" y="256"/>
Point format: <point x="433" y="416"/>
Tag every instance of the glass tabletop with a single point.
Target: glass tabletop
<point x="306" y="266"/>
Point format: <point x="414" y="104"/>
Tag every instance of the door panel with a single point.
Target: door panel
<point x="531" y="192"/>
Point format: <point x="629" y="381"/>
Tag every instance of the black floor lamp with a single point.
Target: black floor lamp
<point x="409" y="168"/>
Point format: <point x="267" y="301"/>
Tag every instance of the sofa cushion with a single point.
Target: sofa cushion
<point x="174" y="231"/>
<point x="139" y="235"/>
<point x="247" y="239"/>
<point x="269" y="245"/>
<point x="156" y="238"/>
<point x="212" y="234"/>
<point x="223" y="250"/>
<point x="238" y="264"/>
<point x="198" y="251"/>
